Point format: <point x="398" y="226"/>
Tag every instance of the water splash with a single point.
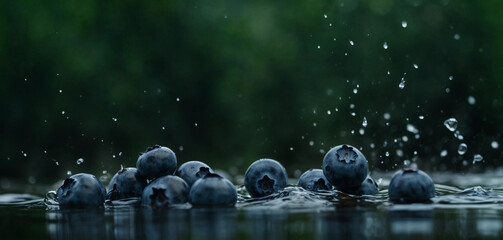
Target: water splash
<point x="477" y="158"/>
<point x="401" y="85"/>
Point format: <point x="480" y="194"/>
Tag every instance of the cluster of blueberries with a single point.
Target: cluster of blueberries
<point x="156" y="182"/>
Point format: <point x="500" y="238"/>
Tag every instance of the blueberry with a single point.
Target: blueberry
<point x="192" y="171"/>
<point x="156" y="162"/>
<point x="314" y="180"/>
<point x="213" y="190"/>
<point x="411" y="185"/>
<point x="165" y="191"/>
<point x="367" y="187"/>
<point x="345" y="167"/>
<point x="126" y="183"/>
<point x="264" y="177"/>
<point x="81" y="191"/>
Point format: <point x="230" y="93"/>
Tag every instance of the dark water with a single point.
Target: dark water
<point x="470" y="212"/>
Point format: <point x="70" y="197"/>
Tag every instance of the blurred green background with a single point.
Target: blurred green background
<point x="229" y="82"/>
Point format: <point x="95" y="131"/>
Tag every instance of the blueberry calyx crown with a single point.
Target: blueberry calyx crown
<point x="409" y="170"/>
<point x="266" y="184"/>
<point x="320" y="185"/>
<point x="203" y="172"/>
<point x="158" y="197"/>
<point x="67" y="185"/>
<point x="211" y="175"/>
<point x="150" y="149"/>
<point x="346" y="154"/>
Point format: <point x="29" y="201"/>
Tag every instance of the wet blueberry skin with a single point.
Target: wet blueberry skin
<point x="156" y="162"/>
<point x="411" y="185"/>
<point x="367" y="187"/>
<point x="345" y="167"/>
<point x="192" y="171"/>
<point x="126" y="183"/>
<point x="213" y="190"/>
<point x="165" y="191"/>
<point x="314" y="180"/>
<point x="81" y="190"/>
<point x="264" y="177"/>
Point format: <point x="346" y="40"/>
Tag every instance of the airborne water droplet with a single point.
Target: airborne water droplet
<point x="402" y="83"/>
<point x="495" y="144"/>
<point x="415" y="66"/>
<point x="477" y="158"/>
<point x="404" y="24"/>
<point x="462" y="148"/>
<point x="80" y="161"/>
<point x="451" y="124"/>
<point x="443" y="153"/>
<point x="355" y="91"/>
<point x="385" y="45"/>
<point x="364" y="123"/>
<point x="471" y="100"/>
<point x="411" y="128"/>
<point x="351" y="42"/>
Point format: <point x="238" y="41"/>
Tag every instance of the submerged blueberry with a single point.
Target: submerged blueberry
<point x="165" y="191"/>
<point x="367" y="187"/>
<point x="410" y="185"/>
<point x="264" y="177"/>
<point x="156" y="162"/>
<point x="126" y="183"/>
<point x="81" y="191"/>
<point x="314" y="180"/>
<point x="213" y="190"/>
<point x="345" y="167"/>
<point x="192" y="171"/>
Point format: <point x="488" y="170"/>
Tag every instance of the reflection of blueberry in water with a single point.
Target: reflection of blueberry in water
<point x="81" y="191"/>
<point x="213" y="190"/>
<point x="367" y="187"/>
<point x="165" y="191"/>
<point x="264" y="177"/>
<point x="126" y="183"/>
<point x="345" y="167"/>
<point x="192" y="171"/>
<point x="156" y="162"/>
<point x="314" y="180"/>
<point x="411" y="185"/>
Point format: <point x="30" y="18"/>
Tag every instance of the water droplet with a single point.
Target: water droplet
<point x="406" y="162"/>
<point x="372" y="145"/>
<point x="325" y="15"/>
<point x="120" y="154"/>
<point x="450" y="78"/>
<point x="353" y="114"/>
<point x="355" y="90"/>
<point x="451" y="124"/>
<point x="401" y="85"/>
<point x="399" y="152"/>
<point x="364" y="123"/>
<point x="385" y="45"/>
<point x="314" y="124"/>
<point x="311" y="143"/>
<point x="404" y="24"/>
<point x="178" y="99"/>
<point x="447" y="90"/>
<point x="405" y="138"/>
<point x="80" y="161"/>
<point x="477" y="158"/>
<point x="458" y="135"/>
<point x="415" y="66"/>
<point x="421" y="117"/>
<point x="180" y="148"/>
<point x="68" y="172"/>
<point x="386" y="116"/>
<point x="361" y="131"/>
<point x="329" y="112"/>
<point x="387" y="154"/>
<point x="443" y="153"/>
<point x="411" y="128"/>
<point x="114" y="119"/>
<point x="63" y="112"/>
<point x="60" y="90"/>
<point x="163" y="128"/>
<point x="457" y="36"/>
<point x="195" y="124"/>
<point x="462" y="148"/>
<point x="352" y="106"/>
<point x="351" y="42"/>
<point x="495" y="144"/>
<point x="318" y="46"/>
<point x="471" y="100"/>
<point x="291" y="148"/>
